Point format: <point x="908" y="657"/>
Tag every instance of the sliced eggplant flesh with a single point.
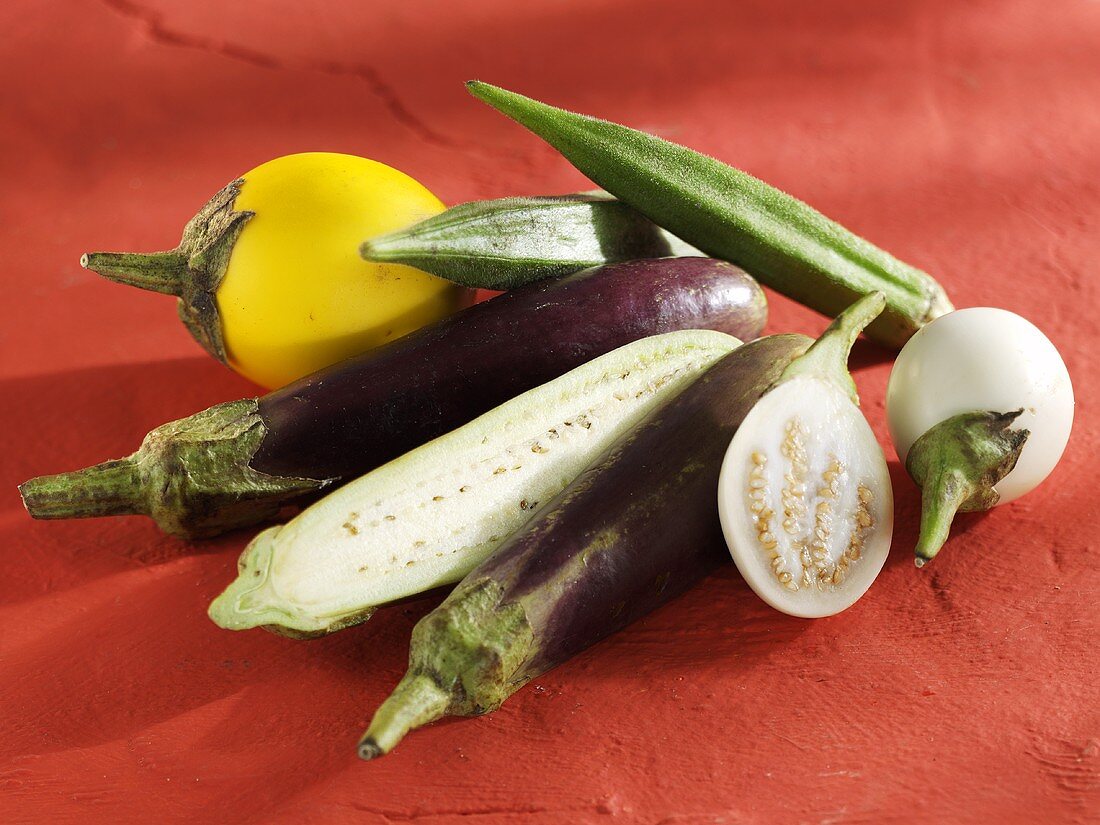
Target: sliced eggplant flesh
<point x="805" y="499"/>
<point x="430" y="516"/>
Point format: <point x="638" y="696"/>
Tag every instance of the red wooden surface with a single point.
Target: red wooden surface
<point x="960" y="135"/>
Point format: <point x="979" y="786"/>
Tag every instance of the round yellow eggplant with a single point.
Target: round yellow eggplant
<point x="268" y="273"/>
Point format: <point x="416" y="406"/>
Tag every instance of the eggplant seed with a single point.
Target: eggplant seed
<point x="812" y="551"/>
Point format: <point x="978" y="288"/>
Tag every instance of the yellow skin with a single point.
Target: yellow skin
<point x="296" y="296"/>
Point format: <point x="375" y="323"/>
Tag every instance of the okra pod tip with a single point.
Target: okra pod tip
<point x="505" y="243"/>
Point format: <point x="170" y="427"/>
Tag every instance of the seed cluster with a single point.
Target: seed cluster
<point x="581" y="420"/>
<point x="794" y="491"/>
<point x="817" y="566"/>
<point x="763" y="515"/>
<point x="864" y="523"/>
<point x="810" y="541"/>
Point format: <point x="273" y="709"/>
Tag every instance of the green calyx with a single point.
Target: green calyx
<point x="729" y="214"/>
<point x="192" y="476"/>
<point x="192" y="271"/>
<point x="956" y="464"/>
<point x="506" y="243"/>
<point x="827" y="358"/>
<point x="463" y="660"/>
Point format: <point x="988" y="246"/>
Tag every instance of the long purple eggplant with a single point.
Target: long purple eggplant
<point x="635" y="529"/>
<point x="238" y="463"/>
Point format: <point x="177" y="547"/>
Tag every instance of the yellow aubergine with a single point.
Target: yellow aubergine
<point x="268" y="273"/>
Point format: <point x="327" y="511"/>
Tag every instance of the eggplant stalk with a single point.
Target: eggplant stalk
<point x="956" y="464"/>
<point x="106" y="489"/>
<point x="828" y="357"/>
<point x="192" y="271"/>
<point x="163" y="272"/>
<point x="417" y="700"/>
<point x="192" y="475"/>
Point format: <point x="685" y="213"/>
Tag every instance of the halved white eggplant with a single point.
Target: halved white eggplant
<point x="804" y="495"/>
<point x="428" y="517"/>
<point x="805" y="499"/>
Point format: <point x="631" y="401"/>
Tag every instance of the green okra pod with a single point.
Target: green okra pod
<point x="729" y="214"/>
<point x="508" y="242"/>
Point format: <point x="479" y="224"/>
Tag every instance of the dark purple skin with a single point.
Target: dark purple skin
<point x="349" y="418"/>
<point x="652" y="500"/>
<point x="238" y="463"/>
<point x="638" y="527"/>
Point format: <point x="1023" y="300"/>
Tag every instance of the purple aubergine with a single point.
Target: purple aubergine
<point x="238" y="463"/>
<point x="637" y="527"/>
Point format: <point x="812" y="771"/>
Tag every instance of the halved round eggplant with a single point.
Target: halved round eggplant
<point x="805" y="499"/>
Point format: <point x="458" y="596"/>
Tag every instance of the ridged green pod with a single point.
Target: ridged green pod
<point x="729" y="214"/>
<point x="509" y="242"/>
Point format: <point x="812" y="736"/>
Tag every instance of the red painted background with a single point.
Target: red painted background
<point x="960" y="135"/>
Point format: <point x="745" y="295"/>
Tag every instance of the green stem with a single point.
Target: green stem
<point x="940" y="499"/>
<point x="828" y="357"/>
<point x="163" y="272"/>
<point x="956" y="464"/>
<point x="113" y="488"/>
<point x="417" y="700"/>
<point x="192" y="271"/>
<point x="193" y="476"/>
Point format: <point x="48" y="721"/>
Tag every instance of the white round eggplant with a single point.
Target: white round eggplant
<point x="805" y="500"/>
<point x="984" y="359"/>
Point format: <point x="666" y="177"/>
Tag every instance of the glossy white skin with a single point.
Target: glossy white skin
<point x="984" y="359"/>
<point x="832" y="426"/>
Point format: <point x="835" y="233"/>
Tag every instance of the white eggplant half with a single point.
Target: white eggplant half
<point x="429" y="517"/>
<point x="804" y="494"/>
<point x="805" y="499"/>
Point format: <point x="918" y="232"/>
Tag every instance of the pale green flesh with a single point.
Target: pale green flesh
<point x="429" y="517"/>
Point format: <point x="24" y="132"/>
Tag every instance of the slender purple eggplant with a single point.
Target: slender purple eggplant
<point x="238" y="463"/>
<point x="635" y="529"/>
